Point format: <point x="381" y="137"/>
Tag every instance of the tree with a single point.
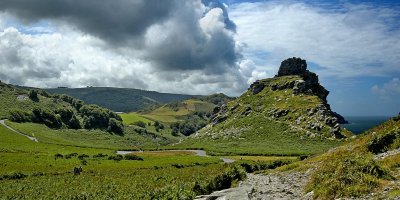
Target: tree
<point x="115" y="126"/>
<point x="33" y="95"/>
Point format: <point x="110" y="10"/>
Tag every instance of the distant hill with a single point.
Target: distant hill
<point x="22" y="104"/>
<point x="121" y="99"/>
<point x="284" y="115"/>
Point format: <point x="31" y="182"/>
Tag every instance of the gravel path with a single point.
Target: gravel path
<point x="273" y="186"/>
<point x="386" y="154"/>
<point x="23" y="134"/>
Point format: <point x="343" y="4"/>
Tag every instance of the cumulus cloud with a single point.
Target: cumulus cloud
<point x="140" y="44"/>
<point x="389" y="89"/>
<point x="348" y="41"/>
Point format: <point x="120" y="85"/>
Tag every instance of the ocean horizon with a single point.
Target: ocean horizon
<point x="359" y="124"/>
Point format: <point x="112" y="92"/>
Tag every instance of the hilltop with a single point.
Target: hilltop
<point x="287" y="114"/>
<point x="121" y="99"/>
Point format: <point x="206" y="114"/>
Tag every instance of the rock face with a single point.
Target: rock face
<point x="292" y="66"/>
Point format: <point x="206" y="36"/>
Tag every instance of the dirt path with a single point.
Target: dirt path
<point x="273" y="186"/>
<point x="23" y="134"/>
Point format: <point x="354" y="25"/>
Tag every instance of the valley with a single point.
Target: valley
<point x="278" y="140"/>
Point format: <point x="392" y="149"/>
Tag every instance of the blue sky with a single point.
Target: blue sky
<point x="204" y="46"/>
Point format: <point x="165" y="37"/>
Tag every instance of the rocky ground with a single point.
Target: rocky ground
<point x="272" y="186"/>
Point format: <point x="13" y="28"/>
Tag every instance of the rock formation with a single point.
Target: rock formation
<point x="293" y="79"/>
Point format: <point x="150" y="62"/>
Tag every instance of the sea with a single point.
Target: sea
<point x="359" y="124"/>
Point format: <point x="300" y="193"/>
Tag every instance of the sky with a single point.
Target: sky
<point x="206" y="46"/>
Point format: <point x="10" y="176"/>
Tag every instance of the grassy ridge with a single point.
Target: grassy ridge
<point x="121" y="99"/>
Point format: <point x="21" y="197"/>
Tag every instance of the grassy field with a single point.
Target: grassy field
<point x="271" y="138"/>
<point x="130" y="118"/>
<point x="31" y="170"/>
<point x="170" y="113"/>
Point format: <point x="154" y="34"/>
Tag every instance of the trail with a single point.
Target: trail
<point x="272" y="186"/>
<point x="201" y="153"/>
<point x="23" y="134"/>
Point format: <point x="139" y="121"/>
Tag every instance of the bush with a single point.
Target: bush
<point x="140" y="124"/>
<point x="100" y="155"/>
<point x="82" y="156"/>
<point x="115" y="126"/>
<point x="58" y="156"/>
<point x="20" y="116"/>
<point x="33" y="95"/>
<point x="14" y="176"/>
<point x="133" y="157"/>
<point x="68" y="117"/>
<point x="116" y="157"/>
<point x="381" y="143"/>
<point x="68" y="156"/>
<point x="49" y="118"/>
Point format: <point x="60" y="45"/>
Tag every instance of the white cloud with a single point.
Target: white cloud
<point x="355" y="40"/>
<point x="391" y="88"/>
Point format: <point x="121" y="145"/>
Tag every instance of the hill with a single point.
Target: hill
<point x="367" y="167"/>
<point x="185" y="117"/>
<point x="55" y="111"/>
<point x="121" y="99"/>
<point x="284" y="115"/>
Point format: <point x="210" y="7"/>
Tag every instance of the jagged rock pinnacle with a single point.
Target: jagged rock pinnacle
<point x="292" y="66"/>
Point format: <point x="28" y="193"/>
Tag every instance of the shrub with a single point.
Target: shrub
<point x="133" y="157"/>
<point x="20" y="116"/>
<point x="381" y="143"/>
<point x="33" y="95"/>
<point x="115" y="126"/>
<point x="140" y="124"/>
<point x="82" y="156"/>
<point x="58" y="156"/>
<point x="49" y="118"/>
<point x="14" y="176"/>
<point x="116" y="157"/>
<point x="100" y="155"/>
<point x="68" y="156"/>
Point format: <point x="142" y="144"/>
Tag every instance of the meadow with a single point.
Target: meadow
<point x="44" y="170"/>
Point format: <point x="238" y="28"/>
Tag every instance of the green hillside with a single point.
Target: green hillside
<point x="367" y="167"/>
<point x="177" y="118"/>
<point x="284" y="115"/>
<point x="121" y="99"/>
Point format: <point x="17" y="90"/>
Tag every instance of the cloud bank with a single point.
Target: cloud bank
<point x="142" y="44"/>
<point x="197" y="47"/>
<point x="347" y="41"/>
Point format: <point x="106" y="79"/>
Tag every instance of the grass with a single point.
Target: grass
<point x="270" y="138"/>
<point x="131" y="118"/>
<point x="351" y="169"/>
<point x="91" y="138"/>
<point x="170" y="113"/>
<point x="30" y="170"/>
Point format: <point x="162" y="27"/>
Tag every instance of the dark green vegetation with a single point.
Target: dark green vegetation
<point x="121" y="99"/>
<point x="55" y="111"/>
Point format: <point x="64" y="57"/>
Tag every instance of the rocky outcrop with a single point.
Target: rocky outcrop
<point x="293" y="79"/>
<point x="292" y="66"/>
